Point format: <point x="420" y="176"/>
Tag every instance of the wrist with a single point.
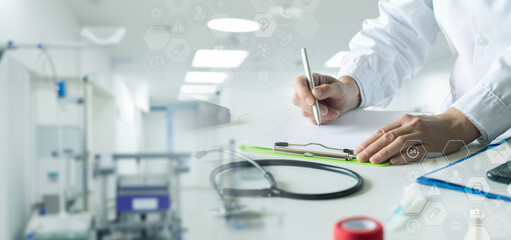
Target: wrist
<point x="460" y="124"/>
<point x="353" y="91"/>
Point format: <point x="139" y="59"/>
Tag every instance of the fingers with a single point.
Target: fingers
<point x="318" y="79"/>
<point x="385" y="146"/>
<point x="325" y="91"/>
<point x="378" y="134"/>
<point x="304" y="99"/>
<point x="390" y="140"/>
<point x="398" y="160"/>
<point x="326" y="116"/>
<point x="384" y="151"/>
<point x="308" y="108"/>
<point x="302" y="90"/>
<point x="323" y="85"/>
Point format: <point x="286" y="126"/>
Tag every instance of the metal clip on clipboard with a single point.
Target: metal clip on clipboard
<point x="285" y="147"/>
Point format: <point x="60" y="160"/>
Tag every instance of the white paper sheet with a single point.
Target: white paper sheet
<point x="345" y="132"/>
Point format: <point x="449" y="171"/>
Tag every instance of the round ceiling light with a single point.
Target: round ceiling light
<point x="233" y="25"/>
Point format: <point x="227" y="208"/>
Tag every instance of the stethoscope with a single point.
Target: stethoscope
<point x="274" y="190"/>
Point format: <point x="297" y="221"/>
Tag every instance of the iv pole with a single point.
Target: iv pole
<point x="92" y="42"/>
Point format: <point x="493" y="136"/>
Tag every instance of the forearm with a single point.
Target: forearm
<point x="461" y="128"/>
<point x="354" y="92"/>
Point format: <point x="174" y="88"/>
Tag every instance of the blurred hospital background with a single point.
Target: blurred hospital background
<point x="101" y="98"/>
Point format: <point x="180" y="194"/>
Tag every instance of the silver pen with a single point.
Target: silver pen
<point x="310" y="79"/>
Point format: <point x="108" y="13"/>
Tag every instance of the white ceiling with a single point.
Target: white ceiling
<point x="337" y="22"/>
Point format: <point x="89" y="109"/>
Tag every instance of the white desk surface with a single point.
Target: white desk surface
<point x="297" y="219"/>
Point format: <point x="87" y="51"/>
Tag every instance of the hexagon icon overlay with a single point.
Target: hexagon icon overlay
<point x="499" y="154"/>
<point x="410" y="173"/>
<point x="178" y="50"/>
<point x="477" y="188"/>
<point x="431" y="164"/>
<point x="455" y="201"/>
<point x="263" y="50"/>
<point x="455" y="224"/>
<point x="263" y="5"/>
<point x="414" y="227"/>
<point x="179" y="5"/>
<point x="156" y="37"/>
<point x="287" y="61"/>
<point x="498" y="225"/>
<point x="477" y="213"/>
<point x="199" y="13"/>
<point x="179" y="25"/>
<point x="157" y="12"/>
<point x="307" y="5"/>
<point x="267" y="25"/>
<point x="263" y="74"/>
<point x="433" y="192"/>
<point x="434" y="213"/>
<point x="456" y="174"/>
<point x="413" y="151"/>
<point x="497" y="205"/>
<point x="241" y="40"/>
<point x="286" y="12"/>
<point x="477" y="165"/>
<point x="461" y="153"/>
<point x="285" y="37"/>
<point x="156" y="62"/>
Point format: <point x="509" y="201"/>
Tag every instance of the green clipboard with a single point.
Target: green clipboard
<point x="269" y="151"/>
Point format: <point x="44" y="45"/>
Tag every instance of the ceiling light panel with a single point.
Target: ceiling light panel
<point x="237" y="25"/>
<point x="193" y="88"/>
<point x="210" y="58"/>
<point x="206" y="77"/>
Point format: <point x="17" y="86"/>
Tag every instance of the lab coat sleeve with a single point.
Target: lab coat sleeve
<point x="390" y="48"/>
<point x="488" y="104"/>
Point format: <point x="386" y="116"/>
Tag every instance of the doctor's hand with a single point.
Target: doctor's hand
<point x="394" y="140"/>
<point x="336" y="96"/>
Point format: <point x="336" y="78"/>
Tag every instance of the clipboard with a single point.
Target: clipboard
<point x="323" y="152"/>
<point x="433" y="179"/>
<point x="269" y="151"/>
<point x="336" y="136"/>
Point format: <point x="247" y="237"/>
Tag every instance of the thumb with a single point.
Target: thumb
<point x="326" y="91"/>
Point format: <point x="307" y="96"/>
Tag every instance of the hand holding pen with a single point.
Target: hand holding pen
<point x="335" y="96"/>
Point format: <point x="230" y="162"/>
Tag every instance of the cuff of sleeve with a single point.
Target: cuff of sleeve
<point x="486" y="111"/>
<point x="365" y="79"/>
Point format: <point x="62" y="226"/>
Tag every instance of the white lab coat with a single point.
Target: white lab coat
<point x="394" y="47"/>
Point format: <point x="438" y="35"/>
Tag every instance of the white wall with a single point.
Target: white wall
<point x="129" y="128"/>
<point x="32" y="21"/>
<point x="49" y="21"/>
<point x="155" y="131"/>
<point x="3" y="149"/>
<point x="16" y="157"/>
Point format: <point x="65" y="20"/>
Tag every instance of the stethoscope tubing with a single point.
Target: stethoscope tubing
<point x="277" y="192"/>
